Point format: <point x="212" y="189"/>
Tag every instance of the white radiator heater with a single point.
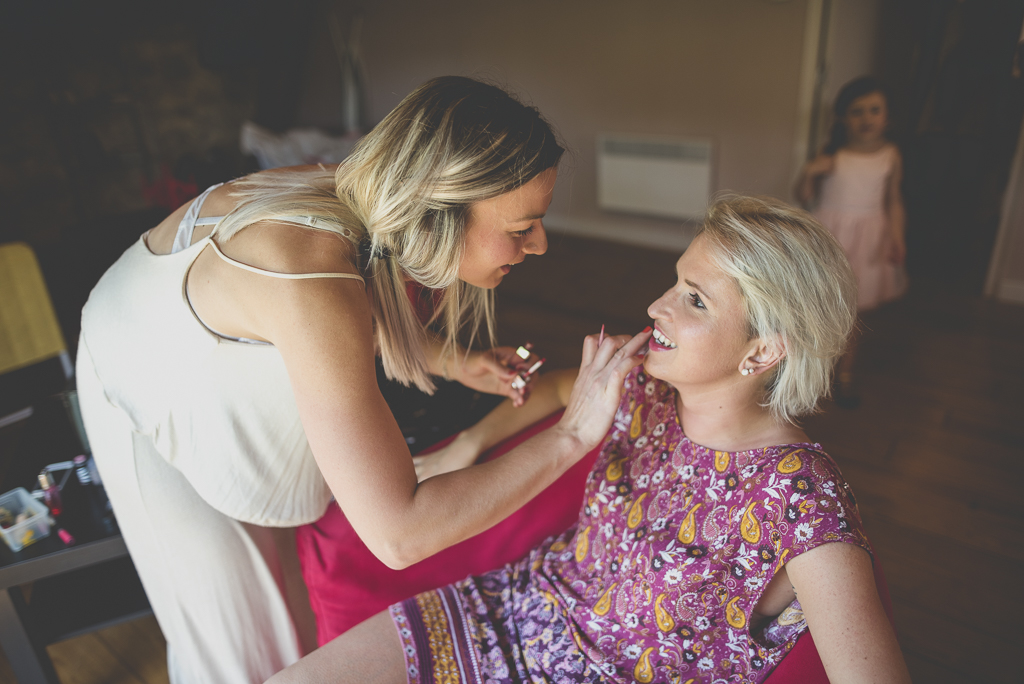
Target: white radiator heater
<point x="655" y="176"/>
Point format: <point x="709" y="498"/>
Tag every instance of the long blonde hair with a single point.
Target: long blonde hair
<point x="798" y="292"/>
<point x="404" y="196"/>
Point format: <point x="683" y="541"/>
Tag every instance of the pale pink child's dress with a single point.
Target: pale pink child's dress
<point x="852" y="207"/>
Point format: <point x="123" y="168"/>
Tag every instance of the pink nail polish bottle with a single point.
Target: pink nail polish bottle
<point x="51" y="493"/>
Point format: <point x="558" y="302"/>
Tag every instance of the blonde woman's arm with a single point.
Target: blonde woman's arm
<point x="366" y="462"/>
<point x="550" y="393"/>
<point x="835" y="585"/>
<point x="323" y="331"/>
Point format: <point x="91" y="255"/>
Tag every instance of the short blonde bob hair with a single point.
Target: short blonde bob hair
<point x="798" y="292"/>
<point x="404" y="196"/>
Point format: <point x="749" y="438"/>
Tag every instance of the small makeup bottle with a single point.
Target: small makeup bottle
<point x="96" y="498"/>
<point x="51" y="493"/>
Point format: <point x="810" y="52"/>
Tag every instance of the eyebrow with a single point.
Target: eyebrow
<point x="697" y="287"/>
<point x="531" y="217"/>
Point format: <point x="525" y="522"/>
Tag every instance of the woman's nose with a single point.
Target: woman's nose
<point x="537" y="241"/>
<point x="655" y="307"/>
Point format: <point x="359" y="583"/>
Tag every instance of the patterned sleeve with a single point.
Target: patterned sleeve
<point x="807" y="504"/>
<point x="815" y="505"/>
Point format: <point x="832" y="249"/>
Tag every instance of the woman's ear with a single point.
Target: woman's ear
<point x="762" y="356"/>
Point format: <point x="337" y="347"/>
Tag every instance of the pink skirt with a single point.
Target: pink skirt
<point x="864" y="237"/>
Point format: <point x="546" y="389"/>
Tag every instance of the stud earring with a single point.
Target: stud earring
<point x="746" y="371"/>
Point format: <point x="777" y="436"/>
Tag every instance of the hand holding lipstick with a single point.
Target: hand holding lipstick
<point x="491" y="371"/>
<point x="531" y="363"/>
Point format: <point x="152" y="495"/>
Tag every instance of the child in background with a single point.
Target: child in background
<point x="855" y="183"/>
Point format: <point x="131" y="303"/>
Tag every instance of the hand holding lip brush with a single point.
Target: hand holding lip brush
<point x="643" y="350"/>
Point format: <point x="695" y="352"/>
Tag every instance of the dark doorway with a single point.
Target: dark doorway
<point x="959" y="102"/>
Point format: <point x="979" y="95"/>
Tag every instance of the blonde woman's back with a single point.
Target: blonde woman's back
<point x="196" y="436"/>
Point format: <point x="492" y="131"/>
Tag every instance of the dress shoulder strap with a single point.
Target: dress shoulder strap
<point x="284" y="276"/>
<point x="187" y="226"/>
<point x="310" y="221"/>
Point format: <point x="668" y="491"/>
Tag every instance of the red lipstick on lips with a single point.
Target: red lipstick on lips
<point x="656" y="346"/>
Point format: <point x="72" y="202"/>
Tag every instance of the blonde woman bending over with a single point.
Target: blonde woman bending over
<point x="712" y="532"/>
<point x="227" y="380"/>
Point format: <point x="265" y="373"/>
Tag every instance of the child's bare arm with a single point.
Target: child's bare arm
<point x="806" y="189"/>
<point x="896" y="212"/>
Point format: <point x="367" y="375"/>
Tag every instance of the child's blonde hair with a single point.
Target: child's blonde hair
<point x="404" y="196"/>
<point x="798" y="292"/>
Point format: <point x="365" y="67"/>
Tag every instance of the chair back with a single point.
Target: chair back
<point x="34" y="361"/>
<point x="29" y="331"/>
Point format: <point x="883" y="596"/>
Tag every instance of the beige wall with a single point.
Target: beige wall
<point x="1005" y="279"/>
<point x="728" y="70"/>
<point x="852" y="51"/>
<point x="1006" y="272"/>
<point x="853" y="43"/>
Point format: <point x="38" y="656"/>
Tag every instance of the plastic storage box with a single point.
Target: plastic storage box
<point x="33" y="528"/>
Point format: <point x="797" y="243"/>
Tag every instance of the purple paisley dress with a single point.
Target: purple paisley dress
<point x="674" y="546"/>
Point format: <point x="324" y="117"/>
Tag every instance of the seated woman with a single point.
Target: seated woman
<point x="706" y="515"/>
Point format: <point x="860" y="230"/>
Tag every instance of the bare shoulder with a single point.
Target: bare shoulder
<point x="784" y="434"/>
<point x="240" y="303"/>
<point x="287" y="248"/>
<point x="791" y="434"/>
<point x="161" y="238"/>
<point x="894" y="154"/>
<point x="219" y="202"/>
<point x="895" y="169"/>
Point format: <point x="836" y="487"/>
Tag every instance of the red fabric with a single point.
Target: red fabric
<point x="424" y="300"/>
<point x="167" y="191"/>
<point x="347" y="584"/>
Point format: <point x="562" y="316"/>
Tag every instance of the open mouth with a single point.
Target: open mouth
<point x="659" y="338"/>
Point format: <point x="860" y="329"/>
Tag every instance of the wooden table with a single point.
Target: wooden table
<point x="74" y="590"/>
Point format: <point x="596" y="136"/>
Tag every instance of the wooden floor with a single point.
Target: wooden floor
<point x="935" y="455"/>
<point x="129" y="653"/>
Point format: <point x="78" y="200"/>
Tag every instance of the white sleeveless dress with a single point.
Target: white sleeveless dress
<point x="195" y="434"/>
<point x="852" y="207"/>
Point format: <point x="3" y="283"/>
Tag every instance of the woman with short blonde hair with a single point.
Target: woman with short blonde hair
<point x="706" y="512"/>
<point x="778" y="259"/>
